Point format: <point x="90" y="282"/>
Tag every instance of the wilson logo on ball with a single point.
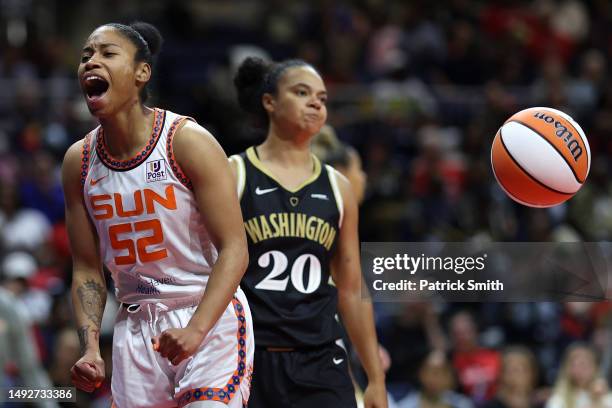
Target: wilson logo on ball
<point x="572" y="144"/>
<point x="540" y="157"/>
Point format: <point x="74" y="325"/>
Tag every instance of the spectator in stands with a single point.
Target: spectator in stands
<point x="16" y="269"/>
<point x="18" y="350"/>
<point x="478" y="368"/>
<point x="342" y="157"/>
<point x="20" y="227"/>
<point x="418" y="325"/>
<point x="437" y="382"/>
<point x="579" y="384"/>
<point x="517" y="380"/>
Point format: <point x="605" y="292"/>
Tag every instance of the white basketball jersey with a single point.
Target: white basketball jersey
<point x="151" y="235"/>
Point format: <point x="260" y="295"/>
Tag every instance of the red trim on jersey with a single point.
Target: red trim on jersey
<point x="85" y="158"/>
<point x="122" y="165"/>
<point x="226" y="393"/>
<point x="174" y="165"/>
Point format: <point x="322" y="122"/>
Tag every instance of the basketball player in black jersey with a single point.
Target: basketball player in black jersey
<point x="301" y="223"/>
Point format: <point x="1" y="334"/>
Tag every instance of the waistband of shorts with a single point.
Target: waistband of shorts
<point x="166" y="304"/>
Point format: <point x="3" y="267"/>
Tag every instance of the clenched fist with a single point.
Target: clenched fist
<point x="177" y="344"/>
<point x="88" y="372"/>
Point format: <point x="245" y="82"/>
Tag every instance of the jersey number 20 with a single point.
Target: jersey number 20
<point x="272" y="281"/>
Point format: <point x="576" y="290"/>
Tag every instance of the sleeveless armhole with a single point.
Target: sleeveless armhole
<point x="333" y="179"/>
<point x="85" y="159"/>
<point x="240" y="174"/>
<point x="174" y="165"/>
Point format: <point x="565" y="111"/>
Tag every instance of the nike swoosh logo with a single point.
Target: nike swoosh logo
<point x="320" y="196"/>
<point x="94" y="182"/>
<point x="261" y="191"/>
<point x="337" y="360"/>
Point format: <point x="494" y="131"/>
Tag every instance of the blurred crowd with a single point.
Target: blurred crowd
<point x="418" y="88"/>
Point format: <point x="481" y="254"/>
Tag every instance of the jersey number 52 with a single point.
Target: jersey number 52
<point x="137" y="250"/>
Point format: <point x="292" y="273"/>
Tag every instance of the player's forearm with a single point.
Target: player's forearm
<point x="358" y="319"/>
<point x="88" y="301"/>
<point x="222" y="284"/>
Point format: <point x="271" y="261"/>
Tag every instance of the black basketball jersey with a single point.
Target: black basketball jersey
<point x="292" y="236"/>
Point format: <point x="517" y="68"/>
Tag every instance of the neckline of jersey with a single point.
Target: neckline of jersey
<point x="159" y="116"/>
<point x="254" y="159"/>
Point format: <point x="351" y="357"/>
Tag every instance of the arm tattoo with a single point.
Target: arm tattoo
<point x="92" y="296"/>
<point x="84" y="336"/>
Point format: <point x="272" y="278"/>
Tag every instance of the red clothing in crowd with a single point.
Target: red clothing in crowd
<point x="478" y="371"/>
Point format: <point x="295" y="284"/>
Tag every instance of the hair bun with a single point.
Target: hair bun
<point x="249" y="81"/>
<point x="150" y="34"/>
<point x="251" y="72"/>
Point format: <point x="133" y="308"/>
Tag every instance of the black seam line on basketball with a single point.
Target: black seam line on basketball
<point x="553" y="146"/>
<point x="501" y="139"/>
<point x="503" y="186"/>
<point x="507" y="190"/>
<point x="518" y="200"/>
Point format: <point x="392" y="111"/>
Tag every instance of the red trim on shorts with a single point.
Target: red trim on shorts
<point x="226" y="393"/>
<point x="85" y="158"/>
<point x="174" y="165"/>
<point x="123" y="165"/>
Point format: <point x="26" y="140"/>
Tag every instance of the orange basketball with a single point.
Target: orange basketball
<point x="540" y="157"/>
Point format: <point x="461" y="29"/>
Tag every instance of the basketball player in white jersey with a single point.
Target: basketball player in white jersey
<point x="149" y="195"/>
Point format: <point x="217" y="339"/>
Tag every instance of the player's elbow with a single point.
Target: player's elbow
<point x="239" y="254"/>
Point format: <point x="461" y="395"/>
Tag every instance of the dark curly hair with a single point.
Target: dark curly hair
<point x="254" y="78"/>
<point x="147" y="40"/>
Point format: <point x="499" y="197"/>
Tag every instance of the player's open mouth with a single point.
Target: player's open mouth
<point x="95" y="87"/>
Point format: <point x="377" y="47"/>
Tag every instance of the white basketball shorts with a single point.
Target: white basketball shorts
<point x="220" y="370"/>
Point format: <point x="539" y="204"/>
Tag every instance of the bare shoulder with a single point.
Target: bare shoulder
<point x="190" y="134"/>
<point x="74" y="152"/>
<point x="71" y="166"/>
<point x="198" y="152"/>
